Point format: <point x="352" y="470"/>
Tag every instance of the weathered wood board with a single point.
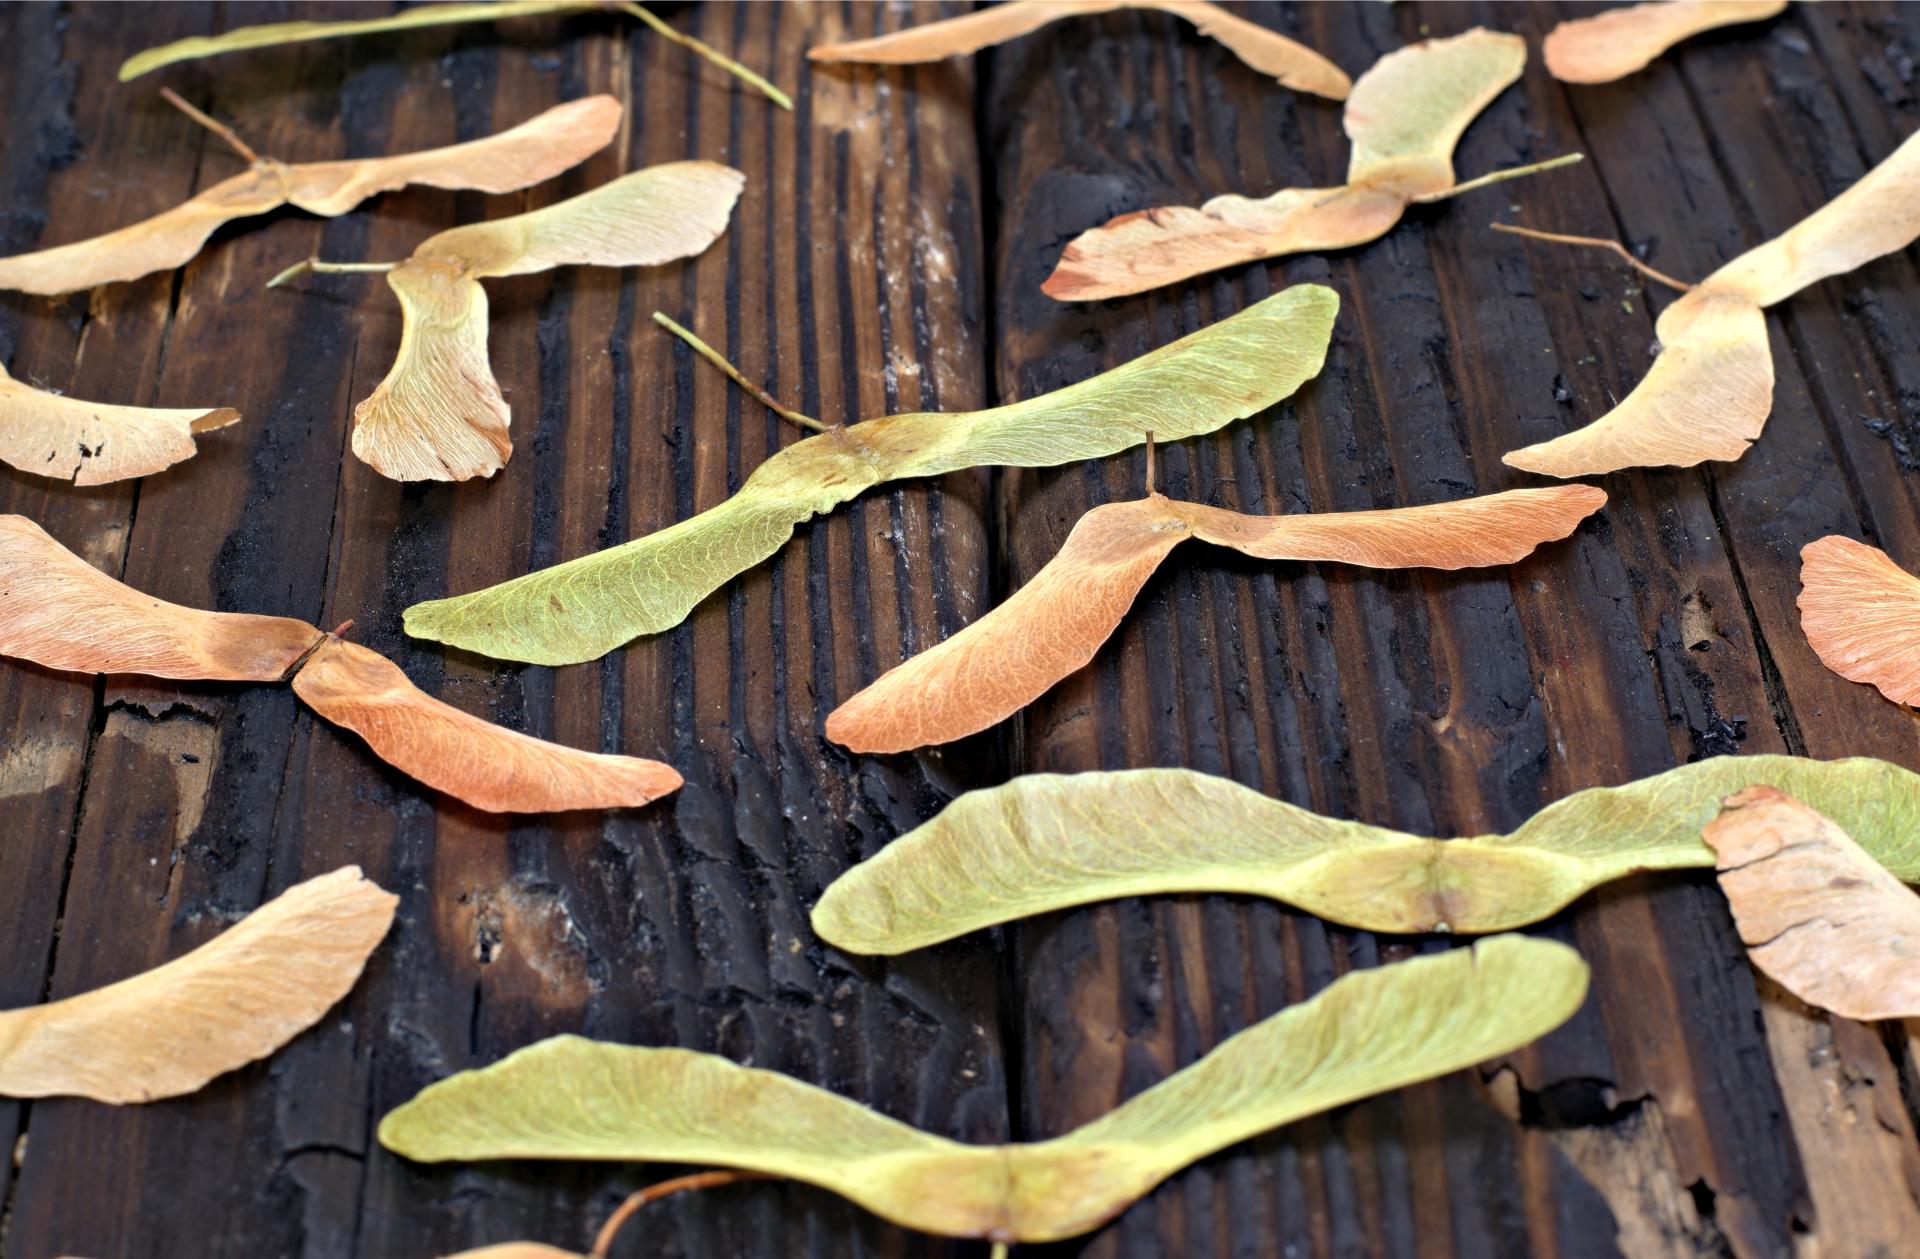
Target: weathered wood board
<point x="887" y="256"/>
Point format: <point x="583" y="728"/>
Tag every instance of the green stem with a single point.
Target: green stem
<point x="1501" y="176"/>
<point x="314" y="264"/>
<point x="713" y="356"/>
<point x="712" y="54"/>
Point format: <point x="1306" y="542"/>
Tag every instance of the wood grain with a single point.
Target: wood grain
<point x="887" y="255"/>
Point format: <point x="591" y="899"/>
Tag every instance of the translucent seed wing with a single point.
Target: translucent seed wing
<point x="535" y="151"/>
<point x="643" y="219"/>
<point x="488" y="766"/>
<point x="59" y="611"/>
<point x="1410" y="109"/>
<point x="1861" y="614"/>
<point x="167" y="240"/>
<point x="1002" y="662"/>
<point x="1707" y="396"/>
<point x="235" y="999"/>
<point x="438" y="415"/>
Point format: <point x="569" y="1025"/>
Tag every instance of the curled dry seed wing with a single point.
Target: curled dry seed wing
<point x="1044" y="842"/>
<point x="1270" y="52"/>
<point x="1366" y="1033"/>
<point x="1706" y="396"/>
<point x="1861" y="614"/>
<point x="1709" y="392"/>
<point x="1055" y="623"/>
<point x="586" y="607"/>
<point x="439" y="414"/>
<point x="92" y="443"/>
<point x="1614" y="44"/>
<point x="167" y="240"/>
<point x="519" y="157"/>
<point x="1818" y="915"/>
<point x="59" y="611"/>
<point x="233" y="1000"/>
<point x="1404" y="118"/>
<point x="1879" y="214"/>
<point x="536" y="150"/>
<point x="487" y="766"/>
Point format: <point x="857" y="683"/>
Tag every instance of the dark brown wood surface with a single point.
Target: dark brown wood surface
<point x="887" y="256"/>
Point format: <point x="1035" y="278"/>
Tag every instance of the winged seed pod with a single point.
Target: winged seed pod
<point x="1056" y="623"/>
<point x="439" y="414"/>
<point x="245" y="38"/>
<point x="92" y="443"/>
<point x="1861" y="614"/>
<point x="1294" y="65"/>
<point x="1614" y="44"/>
<point x="1405" y="117"/>
<point x="1049" y="841"/>
<point x="1366" y="1033"/>
<point x="530" y="153"/>
<point x="1708" y="393"/>
<point x="235" y="999"/>
<point x="59" y="611"/>
<point x="1817" y="914"/>
<point x="586" y="607"/>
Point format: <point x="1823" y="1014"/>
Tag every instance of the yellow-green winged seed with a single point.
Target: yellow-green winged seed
<point x="1374" y="1030"/>
<point x="586" y="607"/>
<point x="274" y="34"/>
<point x="1049" y="841"/>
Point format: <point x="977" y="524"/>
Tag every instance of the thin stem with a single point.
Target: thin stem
<point x="711" y="53"/>
<point x="212" y="124"/>
<point x="713" y="356"/>
<point x="340" y="630"/>
<point x="1000" y="1251"/>
<point x="1595" y="242"/>
<point x="314" y="264"/>
<point x="603" y="1243"/>
<point x="1150" y="468"/>
<point x="1501" y="176"/>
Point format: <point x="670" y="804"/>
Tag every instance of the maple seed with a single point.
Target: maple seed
<point x="235" y="999"/>
<point x="439" y="415"/>
<point x="1861" y="614"/>
<point x="1405" y="117"/>
<point x="93" y="443"/>
<point x="1366" y="1033"/>
<point x="1817" y="914"/>
<point x="1614" y="44"/>
<point x="279" y="33"/>
<point x="1046" y="842"/>
<point x="1196" y="385"/>
<point x="1270" y="52"/>
<point x="1708" y="393"/>
<point x="59" y="611"/>
<point x="536" y="150"/>
<point x="1057" y="622"/>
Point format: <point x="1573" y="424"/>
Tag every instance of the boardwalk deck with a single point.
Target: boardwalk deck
<point x="887" y="256"/>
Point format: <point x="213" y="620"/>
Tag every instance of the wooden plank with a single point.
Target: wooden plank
<point x="1449" y="704"/>
<point x="684" y="923"/>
